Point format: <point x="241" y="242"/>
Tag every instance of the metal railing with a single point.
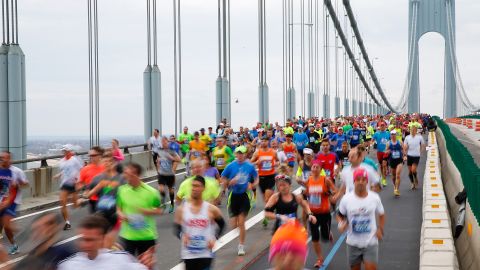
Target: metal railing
<point x="44" y="163"/>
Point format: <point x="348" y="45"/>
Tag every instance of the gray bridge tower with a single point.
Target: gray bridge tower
<point x="432" y="16"/>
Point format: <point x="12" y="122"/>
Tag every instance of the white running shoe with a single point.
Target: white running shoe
<point x="241" y="250"/>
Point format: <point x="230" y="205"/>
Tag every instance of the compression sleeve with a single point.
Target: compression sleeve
<point x="177" y="230"/>
<point x="221" y="226"/>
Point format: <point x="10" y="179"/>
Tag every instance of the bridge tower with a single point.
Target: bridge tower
<point x="432" y="16"/>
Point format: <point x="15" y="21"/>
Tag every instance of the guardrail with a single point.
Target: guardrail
<point x="437" y="249"/>
<point x="43" y="159"/>
<point x="465" y="164"/>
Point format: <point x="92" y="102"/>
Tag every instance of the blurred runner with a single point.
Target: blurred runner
<point x="288" y="247"/>
<point x="166" y="174"/>
<point x="88" y="172"/>
<point x="154" y="145"/>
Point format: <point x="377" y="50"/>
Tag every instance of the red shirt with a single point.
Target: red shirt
<point x="87" y="174"/>
<point x="328" y="162"/>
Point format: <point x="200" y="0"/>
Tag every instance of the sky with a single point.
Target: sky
<point x="53" y="36"/>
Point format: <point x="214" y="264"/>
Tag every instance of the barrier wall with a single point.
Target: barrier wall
<point x="437" y="249"/>
<point x="468" y="243"/>
<point x="42" y="182"/>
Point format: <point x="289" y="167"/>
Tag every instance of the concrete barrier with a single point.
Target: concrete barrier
<point x="42" y="182"/>
<point x="468" y="243"/>
<point x="437" y="249"/>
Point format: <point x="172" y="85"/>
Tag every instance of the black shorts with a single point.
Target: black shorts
<point x="198" y="264"/>
<point x="155" y="158"/>
<point x="238" y="204"/>
<point x="68" y="188"/>
<point x="136" y="247"/>
<point x="412" y="160"/>
<point x="321" y="228"/>
<point x="112" y="218"/>
<point x="266" y="182"/>
<point x="395" y="162"/>
<point x="166" y="180"/>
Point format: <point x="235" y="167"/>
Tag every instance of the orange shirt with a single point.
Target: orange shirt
<point x="266" y="164"/>
<point x="317" y="191"/>
<point x="289" y="150"/>
<point x="196" y="148"/>
<point x="87" y="174"/>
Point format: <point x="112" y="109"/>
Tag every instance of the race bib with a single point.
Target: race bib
<point x="267" y="165"/>
<point x="220" y="162"/>
<point x="315" y="200"/>
<point x="327" y="172"/>
<point x="164" y="165"/>
<point x="395" y="154"/>
<point x="312" y="139"/>
<point x="306" y="174"/>
<point x="196" y="154"/>
<point x="361" y="226"/>
<point x="137" y="221"/>
<point x="197" y="244"/>
<point x="355" y="137"/>
<point x="106" y="203"/>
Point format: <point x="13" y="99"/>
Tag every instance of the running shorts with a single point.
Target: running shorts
<point x="9" y="211"/>
<point x="136" y="247"/>
<point x="412" y="160"/>
<point x="267" y="182"/>
<point x="68" y="188"/>
<point x="198" y="264"/>
<point x="381" y="156"/>
<point x="166" y="180"/>
<point x="321" y="228"/>
<point x="395" y="162"/>
<point x="238" y="204"/>
<point x="358" y="255"/>
<point x="155" y="158"/>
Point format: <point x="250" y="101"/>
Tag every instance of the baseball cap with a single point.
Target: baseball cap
<point x="67" y="147"/>
<point x="393" y="132"/>
<point x="242" y="149"/>
<point x="307" y="151"/>
<point x="202" y="129"/>
<point x="360" y="172"/>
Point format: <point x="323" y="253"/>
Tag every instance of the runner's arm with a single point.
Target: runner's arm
<point x="218" y="218"/>
<point x="269" y="210"/>
<point x="231" y="156"/>
<point x="177" y="225"/>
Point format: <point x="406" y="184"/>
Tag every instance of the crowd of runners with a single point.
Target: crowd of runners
<point x="327" y="158"/>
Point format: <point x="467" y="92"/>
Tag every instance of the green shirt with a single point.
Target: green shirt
<point x="129" y="200"/>
<point x="211" y="192"/>
<point x="185" y="146"/>
<point x="346" y="128"/>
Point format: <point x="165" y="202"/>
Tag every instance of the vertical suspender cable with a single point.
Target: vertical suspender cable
<point x="7" y="21"/>
<point x="16" y="22"/>
<point x="336" y="58"/>
<point x="283" y="62"/>
<point x="97" y="83"/>
<point x="175" y="64"/>
<point x="13" y="21"/>
<point x="180" y="105"/>
<point x="302" y="56"/>
<point x="90" y="79"/>
<point x="229" y="71"/>
<point x="317" y="75"/>
<point x="154" y="32"/>
<point x="149" y="41"/>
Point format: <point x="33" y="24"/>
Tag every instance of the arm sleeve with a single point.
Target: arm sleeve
<point x="229" y="152"/>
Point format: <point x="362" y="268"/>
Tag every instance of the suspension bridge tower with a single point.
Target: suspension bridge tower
<point x="432" y="16"/>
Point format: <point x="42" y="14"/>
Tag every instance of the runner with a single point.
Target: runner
<point x="137" y="205"/>
<point x="281" y="156"/>
<point x="265" y="159"/>
<point x="194" y="225"/>
<point x="339" y="139"/>
<point x="69" y="167"/>
<point x="300" y="139"/>
<point x="197" y="147"/>
<point x="289" y="247"/>
<point x="354" y="136"/>
<point x="318" y="190"/>
<point x="8" y="192"/>
<point x="343" y="156"/>
<point x="314" y="139"/>
<point x="381" y="138"/>
<point x="105" y="186"/>
<point x="222" y="155"/>
<point x="212" y="188"/>
<point x="414" y="145"/>
<point x="166" y="175"/>
<point x="395" y="152"/>
<point x="88" y="172"/>
<point x="207" y="140"/>
<point x="92" y="255"/>
<point x="328" y="160"/>
<point x="184" y="140"/>
<point x="290" y="151"/>
<point x="357" y="213"/>
<point x="283" y="205"/>
<point x="240" y="176"/>
<point x="154" y="146"/>
<point x="369" y="131"/>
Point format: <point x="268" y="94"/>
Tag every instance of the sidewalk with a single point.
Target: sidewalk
<point x="51" y="200"/>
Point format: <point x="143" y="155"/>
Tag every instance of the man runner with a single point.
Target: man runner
<point x="414" y="145"/>
<point x="166" y="175"/>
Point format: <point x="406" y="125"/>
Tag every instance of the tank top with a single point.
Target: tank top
<point x="306" y="170"/>
<point x="288" y="209"/>
<point x="395" y="150"/>
<point x="200" y="230"/>
<point x="266" y="165"/>
<point x="317" y="195"/>
<point x="289" y="152"/>
<point x="219" y="156"/>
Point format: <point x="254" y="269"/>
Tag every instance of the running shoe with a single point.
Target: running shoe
<point x="265" y="222"/>
<point x="396" y="192"/>
<point x="318" y="264"/>
<point x="241" y="250"/>
<point x="67" y="227"/>
<point x="172" y="209"/>
<point x="384" y="181"/>
<point x="13" y="250"/>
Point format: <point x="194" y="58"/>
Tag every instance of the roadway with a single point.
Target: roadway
<point x="399" y="249"/>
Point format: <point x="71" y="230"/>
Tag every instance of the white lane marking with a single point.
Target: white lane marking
<point x="58" y="207"/>
<point x="228" y="237"/>
<point x="23" y="257"/>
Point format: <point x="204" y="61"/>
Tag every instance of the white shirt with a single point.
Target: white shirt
<point x="414" y="144"/>
<point x="106" y="260"/>
<point x="156" y="143"/>
<point x="346" y="176"/>
<point x="361" y="216"/>
<point x="70" y="170"/>
<point x="20" y="178"/>
<point x="281" y="156"/>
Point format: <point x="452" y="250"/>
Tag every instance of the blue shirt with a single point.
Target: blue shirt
<point x="381" y="138"/>
<point x="6" y="181"/>
<point x="254" y="133"/>
<point x="300" y="140"/>
<point x="174" y="147"/>
<point x="340" y="139"/>
<point x="213" y="136"/>
<point x="354" y="135"/>
<point x="246" y="173"/>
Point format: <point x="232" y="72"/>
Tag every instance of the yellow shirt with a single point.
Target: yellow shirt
<point x="206" y="140"/>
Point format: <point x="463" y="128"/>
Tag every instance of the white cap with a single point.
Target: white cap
<point x="394" y="132"/>
<point x="307" y="151"/>
<point x="67" y="147"/>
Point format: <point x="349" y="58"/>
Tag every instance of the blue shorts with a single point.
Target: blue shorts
<point x="9" y="211"/>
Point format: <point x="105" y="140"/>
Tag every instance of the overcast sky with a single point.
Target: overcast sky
<point x="53" y="36"/>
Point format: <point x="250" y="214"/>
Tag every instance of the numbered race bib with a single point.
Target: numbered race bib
<point x="106" y="203"/>
<point x="355" y="137"/>
<point x="312" y="139"/>
<point x="137" y="221"/>
<point x="327" y="172"/>
<point x="291" y="215"/>
<point x="361" y="226"/>
<point x="267" y="165"/>
<point x="164" y="165"/>
<point x="220" y="161"/>
<point x="197" y="244"/>
<point x="395" y="154"/>
<point x="315" y="200"/>
<point x="196" y="154"/>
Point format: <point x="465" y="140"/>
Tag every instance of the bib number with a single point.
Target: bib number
<point x="220" y="162"/>
<point x="266" y="165"/>
<point x="106" y="203"/>
<point x="315" y="200"/>
<point x="361" y="226"/>
<point x="197" y="244"/>
<point x="137" y="222"/>
<point x="395" y="154"/>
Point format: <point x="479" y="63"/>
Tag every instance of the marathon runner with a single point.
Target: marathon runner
<point x="166" y="175"/>
<point x="290" y="151"/>
<point x="197" y="147"/>
<point x="354" y="136"/>
<point x="396" y="156"/>
<point x="154" y="144"/>
<point x="381" y="138"/>
<point x="314" y="138"/>
<point x="194" y="225"/>
<point x="222" y="155"/>
<point x="69" y="167"/>
<point x="300" y="139"/>
<point x="212" y="188"/>
<point x="240" y="176"/>
<point x="357" y="214"/>
<point x="87" y="173"/>
<point x="288" y="247"/>
<point x="328" y="160"/>
<point x="414" y="145"/>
